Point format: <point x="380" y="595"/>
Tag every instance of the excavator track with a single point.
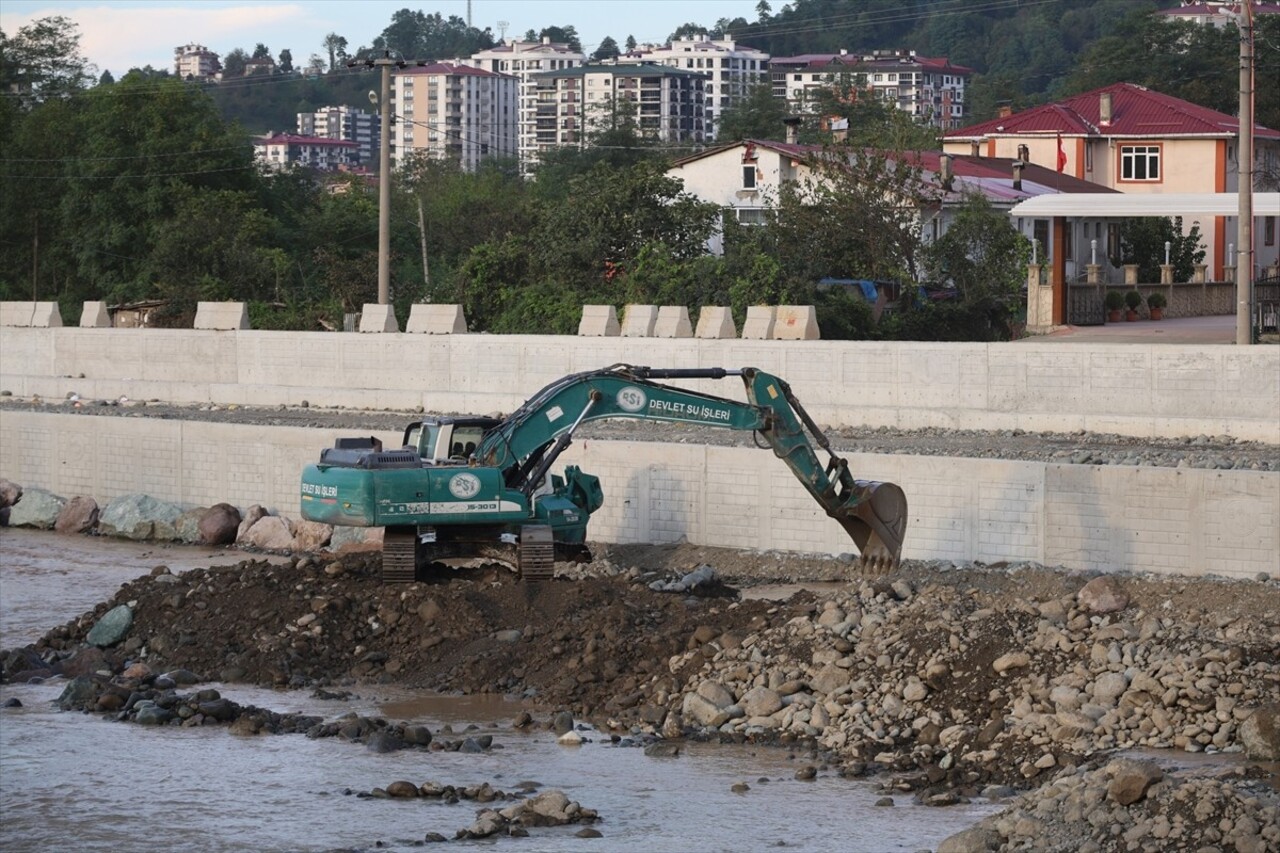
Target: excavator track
<point x="399" y="555"/>
<point x="537" y="553"/>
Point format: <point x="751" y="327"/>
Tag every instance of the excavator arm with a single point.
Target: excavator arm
<point x="526" y="444"/>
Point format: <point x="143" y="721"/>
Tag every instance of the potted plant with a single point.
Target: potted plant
<point x="1113" y="301"/>
<point x="1156" y="303"/>
<point x="1132" y="300"/>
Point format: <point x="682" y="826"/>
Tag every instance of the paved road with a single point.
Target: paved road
<point x="1184" y="330"/>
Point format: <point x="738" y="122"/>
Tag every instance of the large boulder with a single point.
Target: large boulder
<point x="10" y="493"/>
<point x="219" y="524"/>
<point x="111" y="628"/>
<point x="80" y="515"/>
<point x="1102" y="595"/>
<point x="271" y="533"/>
<point x="37" y="508"/>
<point x="1131" y="779"/>
<point x="1260" y="733"/>
<point x="139" y="517"/>
<point x="187" y="527"/>
<point x="761" y="702"/>
<point x="310" y="536"/>
<point x="254" y="514"/>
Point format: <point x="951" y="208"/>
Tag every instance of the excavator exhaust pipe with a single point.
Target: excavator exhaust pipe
<point x="877" y="523"/>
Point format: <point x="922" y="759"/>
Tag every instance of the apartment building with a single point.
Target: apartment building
<point x="284" y="151"/>
<point x="524" y="60"/>
<point x="1218" y="13"/>
<point x="668" y="102"/>
<point x="344" y="122"/>
<point x="732" y="69"/>
<point x="455" y="112"/>
<point x="931" y="90"/>
<point x="195" y="62"/>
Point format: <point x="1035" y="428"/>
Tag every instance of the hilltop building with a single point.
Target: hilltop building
<point x="345" y="122"/>
<point x="931" y="90"/>
<point x="454" y="112"/>
<point x="732" y="69"/>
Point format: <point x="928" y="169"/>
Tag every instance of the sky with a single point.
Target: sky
<point x="117" y="35"/>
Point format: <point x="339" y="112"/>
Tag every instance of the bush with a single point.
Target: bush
<point x="1133" y="299"/>
<point x="1156" y="300"/>
<point x="1114" y="300"/>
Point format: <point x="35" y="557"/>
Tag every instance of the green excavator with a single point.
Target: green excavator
<point x="467" y="487"/>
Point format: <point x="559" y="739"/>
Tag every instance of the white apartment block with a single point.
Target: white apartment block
<point x="285" y="151"/>
<point x="669" y="103"/>
<point x="733" y="69"/>
<point x="349" y="123"/>
<point x="523" y="60"/>
<point x="195" y="61"/>
<point x="454" y="112"/>
<point x="930" y="90"/>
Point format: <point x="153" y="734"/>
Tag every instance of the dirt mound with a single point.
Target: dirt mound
<point x="582" y="645"/>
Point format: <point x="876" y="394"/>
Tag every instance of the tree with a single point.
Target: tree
<point x="286" y="61"/>
<point x="762" y="11"/>
<point x="43" y="60"/>
<point x="417" y="35"/>
<point x="1142" y="242"/>
<point x="336" y="46"/>
<point x="853" y="216"/>
<point x="757" y="116"/>
<point x="106" y="79"/>
<point x="261" y="51"/>
<point x="233" y="63"/>
<point x="981" y="253"/>
<point x="689" y="29"/>
<point x="631" y="43"/>
<point x="608" y="49"/>
<point x="561" y="35"/>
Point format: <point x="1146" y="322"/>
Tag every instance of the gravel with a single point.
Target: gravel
<point x="1076" y="448"/>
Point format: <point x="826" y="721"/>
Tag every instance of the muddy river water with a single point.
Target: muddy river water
<point x="76" y="781"/>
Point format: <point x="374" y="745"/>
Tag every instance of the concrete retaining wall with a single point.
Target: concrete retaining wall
<point x="1133" y="389"/>
<point x="1165" y="520"/>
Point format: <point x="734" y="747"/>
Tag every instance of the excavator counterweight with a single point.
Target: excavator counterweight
<point x="481" y="487"/>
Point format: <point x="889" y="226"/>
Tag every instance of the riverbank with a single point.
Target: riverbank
<point x="942" y="681"/>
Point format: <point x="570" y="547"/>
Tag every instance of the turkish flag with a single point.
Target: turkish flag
<point x="1062" y="156"/>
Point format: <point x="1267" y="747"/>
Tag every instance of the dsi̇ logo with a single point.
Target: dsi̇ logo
<point x="631" y="399"/>
<point x="464" y="486"/>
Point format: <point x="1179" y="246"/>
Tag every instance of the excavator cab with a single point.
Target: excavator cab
<point x="448" y="440"/>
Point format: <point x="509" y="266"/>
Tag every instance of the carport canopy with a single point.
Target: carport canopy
<point x="1106" y="205"/>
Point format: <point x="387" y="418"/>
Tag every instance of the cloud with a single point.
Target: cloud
<point x="120" y="38"/>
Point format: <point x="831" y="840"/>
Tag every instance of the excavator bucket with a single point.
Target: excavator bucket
<point x="877" y="522"/>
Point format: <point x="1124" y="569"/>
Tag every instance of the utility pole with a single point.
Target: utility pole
<point x="1244" y="237"/>
<point x="386" y="63"/>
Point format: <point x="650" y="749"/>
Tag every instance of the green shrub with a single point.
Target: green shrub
<point x="1156" y="300"/>
<point x="1114" y="300"/>
<point x="1133" y="299"/>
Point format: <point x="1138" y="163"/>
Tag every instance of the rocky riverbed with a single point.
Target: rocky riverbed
<point x="945" y="681"/>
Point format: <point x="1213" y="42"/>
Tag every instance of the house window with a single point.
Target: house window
<point x="751" y="215"/>
<point x="1140" y="162"/>
<point x="1269" y="231"/>
<point x="748" y="177"/>
<point x="1113" y="243"/>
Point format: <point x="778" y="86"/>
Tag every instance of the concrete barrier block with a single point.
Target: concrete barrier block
<point x="796" y="323"/>
<point x="673" y="322"/>
<point x="436" y="320"/>
<point x="759" y="324"/>
<point x="599" y="321"/>
<point x="715" y="321"/>
<point x="94" y="315"/>
<point x="221" y="316"/>
<point x="638" y="321"/>
<point x="378" y="318"/>
<point x="40" y="315"/>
